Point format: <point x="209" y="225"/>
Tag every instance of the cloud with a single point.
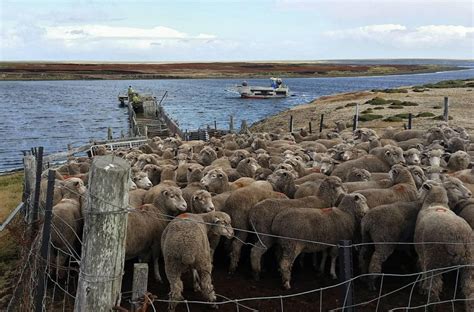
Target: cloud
<point x="401" y="36"/>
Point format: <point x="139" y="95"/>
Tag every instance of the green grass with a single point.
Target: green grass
<point x="425" y="114"/>
<point x="395" y="107"/>
<point x="351" y="104"/>
<point x="390" y="90"/>
<point x="369" y="117"/>
<point x="378" y="107"/>
<point x="367" y="111"/>
<point x="339" y="107"/>
<point x="393" y="119"/>
<point x="407" y="103"/>
<point x="448" y="84"/>
<point x="420" y="89"/>
<point x="404" y="115"/>
<point x="377" y="101"/>
<point x="441" y="117"/>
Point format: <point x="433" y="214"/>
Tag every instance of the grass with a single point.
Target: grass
<point x="425" y="114"/>
<point x="369" y="117"/>
<point x="390" y="90"/>
<point x="407" y="103"/>
<point x="395" y="107"/>
<point x="448" y="84"/>
<point x="404" y="115"/>
<point x="393" y="119"/>
<point x="351" y="104"/>
<point x="11" y="187"/>
<point x="377" y="101"/>
<point x="367" y="111"/>
<point x="441" y="117"/>
<point x="378" y="108"/>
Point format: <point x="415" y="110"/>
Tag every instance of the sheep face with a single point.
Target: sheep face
<point x="142" y="181"/>
<point x="393" y="155"/>
<point x="355" y="202"/>
<point x="456" y="189"/>
<point x="172" y="199"/>
<point x="327" y="165"/>
<point x="412" y="157"/>
<point x="434" y="157"/>
<point x="358" y="174"/>
<point x="280" y="179"/>
<point x="460" y="160"/>
<point x="73" y="185"/>
<point x="202" y="202"/>
<point x="206" y="156"/>
<point x="332" y="188"/>
<point x="262" y="174"/>
<point x="222" y="225"/>
<point x="194" y="174"/>
<point x="237" y="156"/>
<point x="214" y="179"/>
<point x="249" y="166"/>
<point x="418" y="175"/>
<point x="263" y="160"/>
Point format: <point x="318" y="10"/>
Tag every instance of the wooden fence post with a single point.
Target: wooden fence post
<point x="354" y="123"/>
<point x="345" y="274"/>
<point x="39" y="170"/>
<point x="291" y="123"/>
<point x="105" y="227"/>
<point x="410" y="117"/>
<point x="145" y="131"/>
<point x="310" y="128"/>
<point x="356" y="118"/>
<point x="215" y="124"/>
<point x="109" y="134"/>
<point x="45" y="241"/>
<point x="29" y="165"/>
<point x="140" y="283"/>
<point x="321" y="123"/>
<point x="244" y="127"/>
<point x="446" y="109"/>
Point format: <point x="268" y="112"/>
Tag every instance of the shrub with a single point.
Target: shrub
<point x="379" y="107"/>
<point x="367" y="111"/>
<point x="369" y="117"/>
<point x="351" y="104"/>
<point x="377" y="101"/>
<point x="396" y="102"/>
<point x="437" y="107"/>
<point x="339" y="107"/>
<point x="441" y="117"/>
<point x="420" y="89"/>
<point x="425" y="114"/>
<point x="390" y="90"/>
<point x="404" y="115"/>
<point x="393" y="119"/>
<point x="395" y="107"/>
<point x="406" y="103"/>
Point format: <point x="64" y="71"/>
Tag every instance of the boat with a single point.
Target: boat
<point x="276" y="90"/>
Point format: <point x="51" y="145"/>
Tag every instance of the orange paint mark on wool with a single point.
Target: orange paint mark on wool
<point x="183" y="216"/>
<point x="441" y="209"/>
<point x="326" y="210"/>
<point x="317" y="170"/>
<point x="399" y="188"/>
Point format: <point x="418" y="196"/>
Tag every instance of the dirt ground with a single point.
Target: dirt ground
<point x="342" y="107"/>
<point x="241" y="285"/>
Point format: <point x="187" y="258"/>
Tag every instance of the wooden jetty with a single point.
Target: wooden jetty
<point x="148" y="118"/>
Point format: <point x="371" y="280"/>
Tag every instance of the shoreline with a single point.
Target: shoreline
<point x="11" y="71"/>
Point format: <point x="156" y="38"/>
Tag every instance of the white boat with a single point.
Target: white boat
<point x="276" y="90"/>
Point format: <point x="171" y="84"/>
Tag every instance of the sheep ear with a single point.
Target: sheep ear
<point x="388" y="153"/>
<point x="165" y="192"/>
<point x="357" y="197"/>
<point x="216" y="220"/>
<point x="190" y="169"/>
<point x="427" y="186"/>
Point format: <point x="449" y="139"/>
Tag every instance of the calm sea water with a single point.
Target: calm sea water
<point x="55" y="113"/>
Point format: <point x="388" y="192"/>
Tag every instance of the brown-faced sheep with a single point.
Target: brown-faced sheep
<point x="320" y="225"/>
<point x="186" y="247"/>
<point x="403" y="189"/>
<point x="201" y="202"/>
<point x="146" y="224"/>
<point x="381" y="161"/>
<point x="437" y="223"/>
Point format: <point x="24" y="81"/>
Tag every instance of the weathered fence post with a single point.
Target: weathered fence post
<point x="354" y="123"/>
<point x="231" y="124"/>
<point x="243" y="127"/>
<point x="345" y="274"/>
<point x="140" y="283"/>
<point x="122" y="134"/>
<point x="410" y="117"/>
<point x="356" y="118"/>
<point x="29" y="165"/>
<point x="446" y="109"/>
<point x="45" y="241"/>
<point x="310" y="127"/>
<point x="215" y="124"/>
<point x="291" y="123"/>
<point x="39" y="171"/>
<point x="109" y="133"/>
<point x="321" y="123"/>
<point x="145" y="131"/>
<point x="105" y="227"/>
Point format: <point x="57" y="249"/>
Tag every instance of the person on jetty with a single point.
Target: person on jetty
<point x="131" y="92"/>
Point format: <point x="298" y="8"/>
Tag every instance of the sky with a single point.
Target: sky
<point x="229" y="30"/>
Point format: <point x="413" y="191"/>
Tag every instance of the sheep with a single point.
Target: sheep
<point x="194" y="173"/>
<point x="186" y="247"/>
<point x="247" y="167"/>
<point x="201" y="202"/>
<point x="409" y="134"/>
<point x="466" y="175"/>
<point x="261" y="218"/>
<point x="216" y="181"/>
<point x="237" y="156"/>
<point x="136" y="197"/>
<point x="168" y="172"/>
<point x="283" y="181"/>
<point x="141" y="179"/>
<point x="363" y="185"/>
<point x="380" y="161"/>
<point x="418" y="175"/>
<point x="437" y="223"/>
<point x="330" y="187"/>
<point x="146" y="224"/>
<point x="322" y="225"/>
<point x="465" y="209"/>
<point x="206" y="156"/>
<point x="357" y="174"/>
<point x="312" y="177"/>
<point x="67" y="222"/>
<point x="456" y="190"/>
<point x="460" y="160"/>
<point x="153" y="172"/>
<point x="352" y="153"/>
<point x="403" y="189"/>
<point x="412" y="156"/>
<point x="237" y="206"/>
<point x="327" y="165"/>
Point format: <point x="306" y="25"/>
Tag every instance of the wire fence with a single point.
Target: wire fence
<point x="61" y="276"/>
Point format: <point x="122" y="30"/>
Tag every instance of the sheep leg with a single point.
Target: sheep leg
<point x="196" y="281"/>
<point x="156" y="252"/>
<point x="363" y="254"/>
<point x="236" y="248"/>
<point x="60" y="261"/>
<point x="322" y="264"/>
<point x="467" y="278"/>
<point x="207" y="289"/>
<point x="288" y="257"/>
<point x="176" y="290"/>
<point x="334" y="255"/>
<point x="256" y="255"/>
<point x="380" y="255"/>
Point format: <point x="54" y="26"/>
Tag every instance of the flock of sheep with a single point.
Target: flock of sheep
<point x="299" y="192"/>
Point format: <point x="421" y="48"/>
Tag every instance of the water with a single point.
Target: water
<point x="56" y="113"/>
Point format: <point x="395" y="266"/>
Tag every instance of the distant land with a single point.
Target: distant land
<point x="303" y="69"/>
